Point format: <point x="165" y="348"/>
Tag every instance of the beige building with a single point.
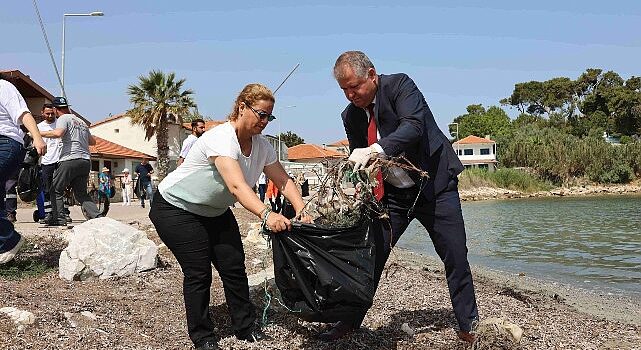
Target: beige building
<point x="118" y="129"/>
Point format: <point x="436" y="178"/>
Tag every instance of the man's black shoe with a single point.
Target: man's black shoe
<point x="46" y="219"/>
<point x="254" y="336"/>
<point x="55" y="223"/>
<point x="208" y="345"/>
<point x="338" y="330"/>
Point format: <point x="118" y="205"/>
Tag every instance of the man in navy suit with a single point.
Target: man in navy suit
<point x="388" y="115"/>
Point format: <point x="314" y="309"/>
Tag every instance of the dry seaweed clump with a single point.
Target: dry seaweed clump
<point x="345" y="197"/>
<point x="497" y="333"/>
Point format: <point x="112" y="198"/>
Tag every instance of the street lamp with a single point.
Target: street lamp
<point x="279" y="132"/>
<point x="64" y="16"/>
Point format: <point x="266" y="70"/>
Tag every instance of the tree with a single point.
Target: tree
<point x="480" y="121"/>
<point x="193" y="115"/>
<point x="291" y="139"/>
<point x="156" y="98"/>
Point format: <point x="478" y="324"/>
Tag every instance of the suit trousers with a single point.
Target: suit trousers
<point x="197" y="242"/>
<point x="443" y="220"/>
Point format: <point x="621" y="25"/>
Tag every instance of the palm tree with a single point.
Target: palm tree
<point x="156" y="98"/>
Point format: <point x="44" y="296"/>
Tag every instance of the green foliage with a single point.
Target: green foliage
<point x="154" y="99"/>
<point x="479" y="121"/>
<point x="193" y="115"/>
<point x="291" y="139"/>
<point x="512" y="179"/>
<point x="560" y="157"/>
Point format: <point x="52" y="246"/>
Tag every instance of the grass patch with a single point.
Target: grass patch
<point x="36" y="258"/>
<point x="508" y="178"/>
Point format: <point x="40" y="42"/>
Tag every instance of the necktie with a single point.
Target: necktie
<point x="372" y="138"/>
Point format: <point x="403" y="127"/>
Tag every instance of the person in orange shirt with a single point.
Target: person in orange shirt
<point x="273" y="194"/>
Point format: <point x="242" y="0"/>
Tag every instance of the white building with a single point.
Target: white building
<point x="118" y="129"/>
<point x="476" y="152"/>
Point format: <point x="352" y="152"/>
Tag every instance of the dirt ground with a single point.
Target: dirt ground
<point x="146" y="311"/>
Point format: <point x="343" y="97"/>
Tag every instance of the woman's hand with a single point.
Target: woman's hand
<point x="277" y="223"/>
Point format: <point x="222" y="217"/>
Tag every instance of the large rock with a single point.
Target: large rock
<point x="104" y="248"/>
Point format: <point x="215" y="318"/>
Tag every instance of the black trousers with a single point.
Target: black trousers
<point x="47" y="184"/>
<point x="443" y="220"/>
<point x="197" y="242"/>
<point x="74" y="172"/>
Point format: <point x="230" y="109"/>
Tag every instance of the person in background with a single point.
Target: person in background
<point x="144" y="171"/>
<point x="74" y="164"/>
<point x="273" y="195"/>
<point x="387" y="114"/>
<point x="192" y="216"/>
<point x="197" y="129"/>
<point x="104" y="187"/>
<point x="50" y="160"/>
<point x="262" y="186"/>
<point x="13" y="114"/>
<point x="127" y="189"/>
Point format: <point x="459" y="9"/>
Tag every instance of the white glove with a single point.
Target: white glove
<point x="360" y="157"/>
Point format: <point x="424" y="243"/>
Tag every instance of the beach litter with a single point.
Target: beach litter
<point x="496" y="333"/>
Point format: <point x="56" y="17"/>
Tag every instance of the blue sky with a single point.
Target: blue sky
<point x="458" y="52"/>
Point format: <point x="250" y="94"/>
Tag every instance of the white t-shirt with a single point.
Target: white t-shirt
<point x="12" y="107"/>
<point x="262" y="179"/>
<point x="54" y="145"/>
<point x="196" y="185"/>
<point x="189" y="141"/>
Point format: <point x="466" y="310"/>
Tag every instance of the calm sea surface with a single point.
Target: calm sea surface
<point x="592" y="242"/>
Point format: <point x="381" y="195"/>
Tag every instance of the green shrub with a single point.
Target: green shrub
<point x="512" y="179"/>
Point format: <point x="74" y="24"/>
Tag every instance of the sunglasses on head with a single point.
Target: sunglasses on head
<point x="262" y="115"/>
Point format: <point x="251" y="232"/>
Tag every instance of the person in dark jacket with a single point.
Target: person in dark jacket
<point x="387" y="114"/>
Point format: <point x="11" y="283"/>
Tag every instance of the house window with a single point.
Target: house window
<point x="116" y="130"/>
<point x="459" y="152"/>
<point x="485" y="151"/>
<point x="95" y="165"/>
<point x="468" y="152"/>
<point x="115" y="164"/>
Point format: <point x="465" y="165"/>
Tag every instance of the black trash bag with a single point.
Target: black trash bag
<point x="29" y="182"/>
<point x="326" y="274"/>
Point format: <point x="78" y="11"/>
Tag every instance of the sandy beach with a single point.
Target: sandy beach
<point x="146" y="311"/>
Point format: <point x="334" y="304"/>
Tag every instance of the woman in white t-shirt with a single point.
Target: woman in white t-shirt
<point x="192" y="217"/>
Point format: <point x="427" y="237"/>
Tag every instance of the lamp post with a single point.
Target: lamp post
<point x="279" y="132"/>
<point x="64" y="16"/>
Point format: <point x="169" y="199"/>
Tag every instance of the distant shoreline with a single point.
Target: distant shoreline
<point x="486" y="193"/>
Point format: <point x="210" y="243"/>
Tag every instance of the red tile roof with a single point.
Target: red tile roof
<point x="108" y="149"/>
<point x="309" y="151"/>
<point x="343" y="142"/>
<point x="208" y="124"/>
<point x="108" y="119"/>
<point x="472" y="140"/>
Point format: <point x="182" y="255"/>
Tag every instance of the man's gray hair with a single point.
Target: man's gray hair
<point x="357" y="60"/>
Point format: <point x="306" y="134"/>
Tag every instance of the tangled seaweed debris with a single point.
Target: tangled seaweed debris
<point x="345" y="196"/>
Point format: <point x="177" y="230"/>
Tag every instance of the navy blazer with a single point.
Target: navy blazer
<point x="406" y="127"/>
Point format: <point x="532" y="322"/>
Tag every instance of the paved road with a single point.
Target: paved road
<point x="126" y="214"/>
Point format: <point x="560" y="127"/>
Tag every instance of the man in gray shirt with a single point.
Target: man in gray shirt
<point x="74" y="164"/>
